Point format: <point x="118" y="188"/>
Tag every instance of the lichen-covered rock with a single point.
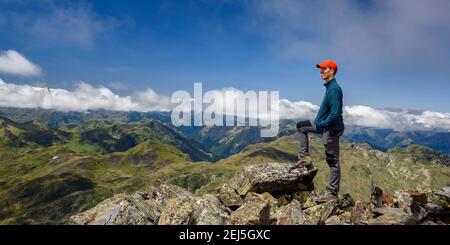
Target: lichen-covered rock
<point x="177" y="211"/>
<point x="403" y="199"/>
<point x="306" y="198"/>
<point x="407" y="199"/>
<point x="256" y="210"/>
<point x="275" y="178"/>
<point x="418" y="197"/>
<point x="141" y="207"/>
<point x="446" y="189"/>
<point x="229" y="196"/>
<point x="433" y="208"/>
<point x="318" y="214"/>
<point x="270" y="199"/>
<point x="387" y="200"/>
<point x="346" y="201"/>
<point x="291" y="214"/>
<point x="444" y="196"/>
<point x="283" y="199"/>
<point x="119" y="209"/>
<point x="376" y="200"/>
<point x="419" y="212"/>
<point x="167" y="204"/>
<point x="211" y="211"/>
<point x="338" y="219"/>
<point x="309" y="202"/>
<point x="333" y="220"/>
<point x="345" y="217"/>
<point x="359" y="213"/>
<point x="391" y="216"/>
<point x="439" y="198"/>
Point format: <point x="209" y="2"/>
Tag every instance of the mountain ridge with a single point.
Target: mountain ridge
<point x="72" y="175"/>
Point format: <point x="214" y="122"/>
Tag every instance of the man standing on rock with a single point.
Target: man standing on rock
<point x="330" y="124"/>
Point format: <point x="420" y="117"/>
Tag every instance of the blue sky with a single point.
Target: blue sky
<point x="391" y="53"/>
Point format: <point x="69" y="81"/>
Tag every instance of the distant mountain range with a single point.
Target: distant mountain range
<point x="233" y="139"/>
<point x="384" y="139"/>
<point x="55" y="164"/>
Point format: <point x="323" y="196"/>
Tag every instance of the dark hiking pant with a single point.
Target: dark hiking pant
<point x="330" y="140"/>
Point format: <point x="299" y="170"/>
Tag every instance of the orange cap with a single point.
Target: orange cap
<point x="328" y="63"/>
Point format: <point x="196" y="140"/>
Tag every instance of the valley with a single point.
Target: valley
<point x="49" y="173"/>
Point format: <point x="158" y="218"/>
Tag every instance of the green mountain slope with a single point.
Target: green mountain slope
<point x="106" y="137"/>
<point x="44" y="185"/>
<point x="400" y="168"/>
<point x="378" y="138"/>
<point x="56" y="119"/>
<point x="224" y="141"/>
<point x="99" y="137"/>
<point x="48" y="174"/>
<point x="30" y="133"/>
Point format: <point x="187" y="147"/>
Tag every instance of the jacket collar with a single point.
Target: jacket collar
<point x="329" y="82"/>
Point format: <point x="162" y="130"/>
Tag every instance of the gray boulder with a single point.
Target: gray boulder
<point x="275" y="178"/>
<point x="229" y="196"/>
<point x="291" y="214"/>
<point x="119" y="209"/>
<point x="211" y="211"/>
<point x="359" y="213"/>
<point x="141" y="207"/>
<point x="177" y="211"/>
<point x="317" y="215"/>
<point x="391" y="216"/>
<point x="256" y="210"/>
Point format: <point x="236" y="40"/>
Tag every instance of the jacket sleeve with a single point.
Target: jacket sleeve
<point x="336" y="109"/>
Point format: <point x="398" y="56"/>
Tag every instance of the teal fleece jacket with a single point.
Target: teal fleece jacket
<point x="329" y="117"/>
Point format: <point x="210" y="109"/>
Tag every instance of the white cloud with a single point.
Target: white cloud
<point x="371" y="117"/>
<point x="366" y="116"/>
<point x="400" y="120"/>
<point x="149" y="100"/>
<point x="430" y="119"/>
<point x="298" y="109"/>
<point x="84" y="97"/>
<point x="12" y="62"/>
<point x="87" y="97"/>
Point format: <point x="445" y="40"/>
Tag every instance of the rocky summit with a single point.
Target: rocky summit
<point x="274" y="178"/>
<point x="268" y="194"/>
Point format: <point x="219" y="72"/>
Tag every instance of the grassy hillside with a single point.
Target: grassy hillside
<point x="99" y="137"/>
<point x="106" y="137"/>
<point x="400" y="168"/>
<point x="43" y="185"/>
<point x="224" y="141"/>
<point x="48" y="174"/>
<point x="56" y="119"/>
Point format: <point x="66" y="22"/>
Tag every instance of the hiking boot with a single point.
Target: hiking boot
<point x="328" y="197"/>
<point x="303" y="161"/>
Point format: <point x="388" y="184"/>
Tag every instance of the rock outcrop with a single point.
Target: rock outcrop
<point x="229" y="196"/>
<point x="291" y="214"/>
<point x="139" y="208"/>
<point x="256" y="210"/>
<point x="317" y="215"/>
<point x="275" y="178"/>
<point x="263" y="194"/>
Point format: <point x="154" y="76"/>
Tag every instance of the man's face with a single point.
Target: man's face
<point x="326" y="73"/>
